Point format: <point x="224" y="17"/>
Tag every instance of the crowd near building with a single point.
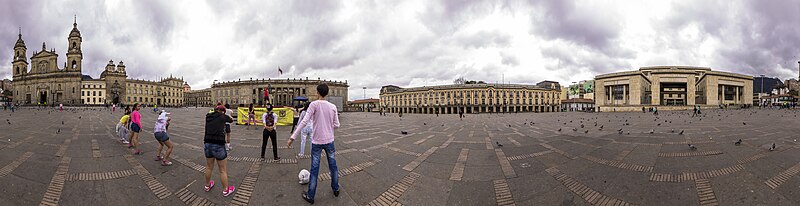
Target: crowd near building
<point x="671" y="87"/>
<point x="472" y="98"/>
<point x="40" y="80"/>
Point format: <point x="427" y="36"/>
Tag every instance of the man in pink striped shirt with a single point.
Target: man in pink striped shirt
<point x="326" y="119"/>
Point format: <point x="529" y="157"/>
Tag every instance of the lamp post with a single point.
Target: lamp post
<point x="365" y="92"/>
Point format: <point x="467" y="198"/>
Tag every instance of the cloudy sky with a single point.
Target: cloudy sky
<point x="410" y="43"/>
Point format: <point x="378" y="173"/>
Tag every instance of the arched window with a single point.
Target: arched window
<point x="74" y="64"/>
<point x="59" y="86"/>
<point x="73" y="45"/>
<point x="18" y="70"/>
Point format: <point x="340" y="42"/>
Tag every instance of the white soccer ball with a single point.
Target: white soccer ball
<point x="304" y="176"/>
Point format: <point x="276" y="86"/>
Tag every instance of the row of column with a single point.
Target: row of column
<point x="472" y="109"/>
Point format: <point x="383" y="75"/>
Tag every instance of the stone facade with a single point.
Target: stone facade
<point x="41" y="81"/>
<point x="92" y="92"/>
<point x="282" y="91"/>
<point x="672" y="86"/>
<point x="472" y="98"/>
<point x="198" y="98"/>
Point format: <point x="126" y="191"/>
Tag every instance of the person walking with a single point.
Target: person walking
<point x="136" y="127"/>
<point x="270" y="121"/>
<point x="229" y="113"/>
<point x="60" y="107"/>
<point x="325" y="118"/>
<point x="214" y="149"/>
<point x="160" y="133"/>
<point x="305" y="132"/>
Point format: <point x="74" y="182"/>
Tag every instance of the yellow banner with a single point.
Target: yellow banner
<point x="285" y="115"/>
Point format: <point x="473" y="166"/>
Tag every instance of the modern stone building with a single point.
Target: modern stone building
<point x="41" y="81"/>
<point x="281" y="91"/>
<point x="671" y="87"/>
<point x="472" y="98"/>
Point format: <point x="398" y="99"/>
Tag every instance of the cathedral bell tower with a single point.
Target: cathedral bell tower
<point x="74" y="54"/>
<point x="20" y="64"/>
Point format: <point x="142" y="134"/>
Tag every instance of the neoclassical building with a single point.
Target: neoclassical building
<point x="198" y="98"/>
<point x="281" y="91"/>
<point x="41" y="81"/>
<point x="671" y="87"/>
<point x="472" y="98"/>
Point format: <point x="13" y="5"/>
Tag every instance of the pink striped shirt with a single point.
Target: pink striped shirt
<point x="325" y="118"/>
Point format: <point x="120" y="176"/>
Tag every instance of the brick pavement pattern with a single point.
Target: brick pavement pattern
<point x="484" y="159"/>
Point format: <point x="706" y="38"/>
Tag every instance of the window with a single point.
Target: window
<point x="617" y="92"/>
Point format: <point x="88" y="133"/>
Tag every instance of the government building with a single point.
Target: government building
<point x="282" y="92"/>
<point x="671" y="88"/>
<point x="40" y="81"/>
<point x="472" y="98"/>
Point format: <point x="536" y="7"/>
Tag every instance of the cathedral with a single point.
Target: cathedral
<point x="40" y="81"/>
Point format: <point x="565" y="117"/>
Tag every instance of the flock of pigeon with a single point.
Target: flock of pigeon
<point x="624" y="121"/>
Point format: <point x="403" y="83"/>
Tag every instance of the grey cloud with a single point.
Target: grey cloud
<point x="558" y="19"/>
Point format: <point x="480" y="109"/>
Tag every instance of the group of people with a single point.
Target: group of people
<point x="316" y="121"/>
<point x="130" y="125"/>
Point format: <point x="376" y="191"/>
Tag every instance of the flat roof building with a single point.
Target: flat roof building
<point x="472" y="98"/>
<point x="671" y="88"/>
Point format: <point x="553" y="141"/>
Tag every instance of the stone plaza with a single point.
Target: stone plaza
<point x="485" y="159"/>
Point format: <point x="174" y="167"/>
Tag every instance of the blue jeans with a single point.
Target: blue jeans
<point x="330" y="151"/>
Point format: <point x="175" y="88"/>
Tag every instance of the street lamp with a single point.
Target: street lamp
<point x="365" y="92"/>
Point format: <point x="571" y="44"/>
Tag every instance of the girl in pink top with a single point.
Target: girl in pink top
<point x="136" y="127"/>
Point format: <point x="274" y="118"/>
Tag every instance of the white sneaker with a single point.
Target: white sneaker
<point x="125" y="142"/>
<point x="228" y="147"/>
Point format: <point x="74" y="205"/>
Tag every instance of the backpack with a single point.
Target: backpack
<point x="270" y="119"/>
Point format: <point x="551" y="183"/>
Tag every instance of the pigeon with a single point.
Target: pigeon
<point x="59" y="131"/>
<point x="692" y="147"/>
<point x="659" y="124"/>
<point x="509" y="125"/>
<point x="744" y="123"/>
<point x="62" y="122"/>
<point x="652" y="130"/>
<point x="586" y="132"/>
<point x="424" y="123"/>
<point x="772" y="148"/>
<point x="498" y="144"/>
<point x="559" y="129"/>
<point x="574" y="129"/>
<point x="620" y="131"/>
<point x="581" y="125"/>
<point x="737" y="143"/>
<point x="403" y="132"/>
<point x="442" y="125"/>
<point x="601" y="126"/>
<point x="681" y="133"/>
